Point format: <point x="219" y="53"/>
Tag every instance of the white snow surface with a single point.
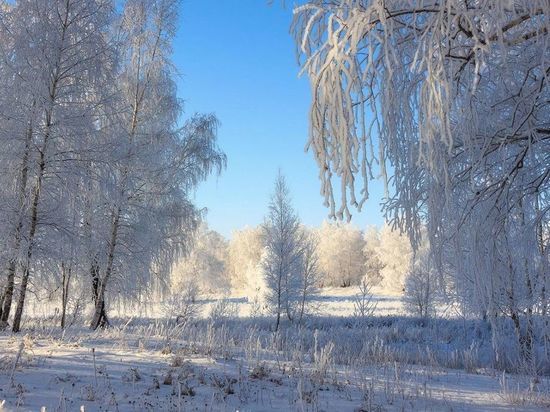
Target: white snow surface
<point x="156" y="365"/>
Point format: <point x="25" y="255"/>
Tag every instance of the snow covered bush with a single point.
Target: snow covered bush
<point x="364" y="305"/>
<point x="243" y="266"/>
<point x="423" y="285"/>
<point x="206" y="262"/>
<point x="395" y="256"/>
<point x="181" y="304"/>
<point x="341" y="259"/>
<point x="373" y="262"/>
<point x="223" y="309"/>
<point x="420" y="293"/>
<point x="310" y="273"/>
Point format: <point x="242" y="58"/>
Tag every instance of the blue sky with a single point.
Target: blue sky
<point x="237" y="59"/>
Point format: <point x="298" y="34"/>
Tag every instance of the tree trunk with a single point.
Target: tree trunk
<point x="21" y="301"/>
<point x="302" y="305"/>
<point x="287" y="298"/>
<point x="543" y="297"/>
<point x="278" y="320"/>
<point x="100" y="318"/>
<point x="7" y="297"/>
<point x="32" y="231"/>
<point x="288" y="315"/>
<point x="103" y="320"/>
<point x="66" y="276"/>
<point x="26" y="271"/>
<point x="278" y="304"/>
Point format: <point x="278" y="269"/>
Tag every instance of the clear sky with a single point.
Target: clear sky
<point x="237" y="60"/>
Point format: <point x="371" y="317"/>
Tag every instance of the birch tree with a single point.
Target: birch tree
<point x="97" y="164"/>
<point x="150" y="218"/>
<point x="58" y="57"/>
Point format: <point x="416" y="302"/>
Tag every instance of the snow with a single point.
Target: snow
<point x="238" y="364"/>
<point x="59" y="373"/>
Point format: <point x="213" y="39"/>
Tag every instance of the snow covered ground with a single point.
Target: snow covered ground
<point x="331" y="302"/>
<point x="238" y="364"/>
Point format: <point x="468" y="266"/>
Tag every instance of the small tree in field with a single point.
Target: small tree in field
<point x="364" y="304"/>
<point x="282" y="261"/>
<point x="421" y="292"/>
<point x="373" y="262"/>
<point x="309" y="272"/>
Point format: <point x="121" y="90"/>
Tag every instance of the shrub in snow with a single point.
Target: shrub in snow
<point x="206" y="262"/>
<point x="363" y="303"/>
<point x="223" y="309"/>
<point x="244" y="257"/>
<point x="182" y="304"/>
<point x="373" y="262"/>
<point x="420" y="293"/>
<point x="422" y="287"/>
<point x="395" y="255"/>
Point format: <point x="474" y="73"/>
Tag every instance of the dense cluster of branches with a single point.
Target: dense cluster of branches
<point x="96" y="172"/>
<point x="454" y="94"/>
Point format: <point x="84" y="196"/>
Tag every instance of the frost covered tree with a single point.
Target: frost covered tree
<point x="150" y="219"/>
<point x="205" y="263"/>
<point x="96" y="167"/>
<point x="57" y="60"/>
<point x="421" y="288"/>
<point x="310" y="273"/>
<point x="405" y="71"/>
<point x="281" y="264"/>
<point x="395" y="255"/>
<point x="373" y="263"/>
<point x="244" y="261"/>
<point x="341" y="258"/>
<point x="454" y="93"/>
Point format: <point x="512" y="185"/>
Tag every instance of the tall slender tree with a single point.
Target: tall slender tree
<point x="150" y="218"/>
<point x="282" y="260"/>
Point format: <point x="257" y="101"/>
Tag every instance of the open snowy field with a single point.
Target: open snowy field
<point x="236" y="363"/>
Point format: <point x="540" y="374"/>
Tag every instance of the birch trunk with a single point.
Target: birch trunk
<point x="7" y="297"/>
<point x="100" y="318"/>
